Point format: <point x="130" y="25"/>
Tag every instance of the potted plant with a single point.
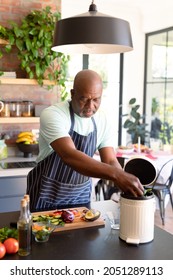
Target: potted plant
<point x="135" y="124"/>
<point x="33" y="38"/>
<point x="166" y="136"/>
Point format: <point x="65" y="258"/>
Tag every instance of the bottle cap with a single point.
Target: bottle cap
<point x="23" y="202"/>
<point x="26" y="197"/>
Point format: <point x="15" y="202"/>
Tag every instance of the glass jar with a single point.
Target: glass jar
<point x="6" y="109"/>
<point x="27" y="108"/>
<point x="15" y="109"/>
<point x="3" y="149"/>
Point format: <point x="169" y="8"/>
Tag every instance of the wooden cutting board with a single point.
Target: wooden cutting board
<point x="77" y="222"/>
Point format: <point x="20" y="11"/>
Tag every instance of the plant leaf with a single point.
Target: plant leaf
<point x="132" y="101"/>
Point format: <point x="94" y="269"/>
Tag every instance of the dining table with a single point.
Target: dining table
<point x="94" y="242"/>
<point x="158" y="159"/>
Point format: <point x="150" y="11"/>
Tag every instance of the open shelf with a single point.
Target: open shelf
<point x="12" y="120"/>
<point x="3" y="42"/>
<point x="13" y="81"/>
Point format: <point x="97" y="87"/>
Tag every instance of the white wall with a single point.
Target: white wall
<point x="144" y="16"/>
<point x="134" y="61"/>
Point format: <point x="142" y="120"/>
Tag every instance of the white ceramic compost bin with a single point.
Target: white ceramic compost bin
<point x="137" y="214"/>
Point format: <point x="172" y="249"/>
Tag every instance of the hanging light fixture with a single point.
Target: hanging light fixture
<point x="92" y="32"/>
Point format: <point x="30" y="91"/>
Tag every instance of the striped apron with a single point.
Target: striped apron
<point x="53" y="185"/>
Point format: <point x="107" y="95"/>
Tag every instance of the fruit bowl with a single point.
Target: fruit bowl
<point x="42" y="231"/>
<point x="28" y="149"/>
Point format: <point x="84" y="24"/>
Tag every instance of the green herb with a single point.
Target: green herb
<point x="6" y="232"/>
<point x="148" y="192"/>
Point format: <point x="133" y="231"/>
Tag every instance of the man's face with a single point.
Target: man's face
<point x="85" y="103"/>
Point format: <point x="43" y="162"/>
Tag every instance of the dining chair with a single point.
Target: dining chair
<point x="107" y="187"/>
<point x="162" y="189"/>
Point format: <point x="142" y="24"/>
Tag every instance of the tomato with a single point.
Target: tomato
<point x="76" y="212"/>
<point x="2" y="250"/>
<point x="11" y="245"/>
<point x="57" y="212"/>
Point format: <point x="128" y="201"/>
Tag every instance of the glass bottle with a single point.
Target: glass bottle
<point x="24" y="230"/>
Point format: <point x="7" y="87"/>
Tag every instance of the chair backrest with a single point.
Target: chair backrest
<point x="169" y="179"/>
<point x="121" y="161"/>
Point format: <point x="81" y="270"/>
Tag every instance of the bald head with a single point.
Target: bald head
<point x="86" y="78"/>
<point x="86" y="93"/>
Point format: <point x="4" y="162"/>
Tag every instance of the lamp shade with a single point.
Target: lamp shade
<point x="92" y="32"/>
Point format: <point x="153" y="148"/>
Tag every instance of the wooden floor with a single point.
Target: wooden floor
<point x="168" y="219"/>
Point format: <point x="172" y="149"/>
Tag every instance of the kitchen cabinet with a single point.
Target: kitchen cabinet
<point x="12" y="190"/>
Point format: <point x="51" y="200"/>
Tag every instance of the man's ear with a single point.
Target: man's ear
<point x="72" y="92"/>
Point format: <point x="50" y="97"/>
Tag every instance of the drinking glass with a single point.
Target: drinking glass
<point x="155" y="144"/>
<point x="114" y="218"/>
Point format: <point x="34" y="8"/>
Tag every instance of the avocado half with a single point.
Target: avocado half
<point x="91" y="215"/>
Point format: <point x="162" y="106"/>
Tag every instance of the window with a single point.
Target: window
<point x="108" y="66"/>
<point x="158" y="84"/>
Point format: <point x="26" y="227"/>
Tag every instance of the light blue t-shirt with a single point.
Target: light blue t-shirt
<point x="55" y="123"/>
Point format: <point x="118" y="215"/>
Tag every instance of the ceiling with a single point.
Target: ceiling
<point x="145" y="6"/>
<point x="155" y="14"/>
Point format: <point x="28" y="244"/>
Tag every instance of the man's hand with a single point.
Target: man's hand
<point x="128" y="183"/>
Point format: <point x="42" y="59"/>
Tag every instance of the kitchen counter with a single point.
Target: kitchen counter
<point x="13" y="183"/>
<point x="95" y="243"/>
<point x="14" y="172"/>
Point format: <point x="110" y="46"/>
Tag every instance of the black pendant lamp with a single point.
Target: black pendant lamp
<point x="92" y="33"/>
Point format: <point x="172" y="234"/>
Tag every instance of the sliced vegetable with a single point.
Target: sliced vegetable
<point x="67" y="216"/>
<point x="55" y="219"/>
<point x="148" y="192"/>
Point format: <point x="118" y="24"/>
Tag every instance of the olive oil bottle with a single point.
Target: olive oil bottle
<point x="26" y="196"/>
<point x="24" y="230"/>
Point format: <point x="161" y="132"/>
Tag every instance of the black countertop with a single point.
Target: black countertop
<point x="94" y="243"/>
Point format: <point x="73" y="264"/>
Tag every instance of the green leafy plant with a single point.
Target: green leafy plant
<point x="33" y="38"/>
<point x="135" y="124"/>
<point x="7" y="232"/>
<point x="155" y="106"/>
<point x="166" y="134"/>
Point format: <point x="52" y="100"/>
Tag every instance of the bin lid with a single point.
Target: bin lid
<point x="142" y="168"/>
